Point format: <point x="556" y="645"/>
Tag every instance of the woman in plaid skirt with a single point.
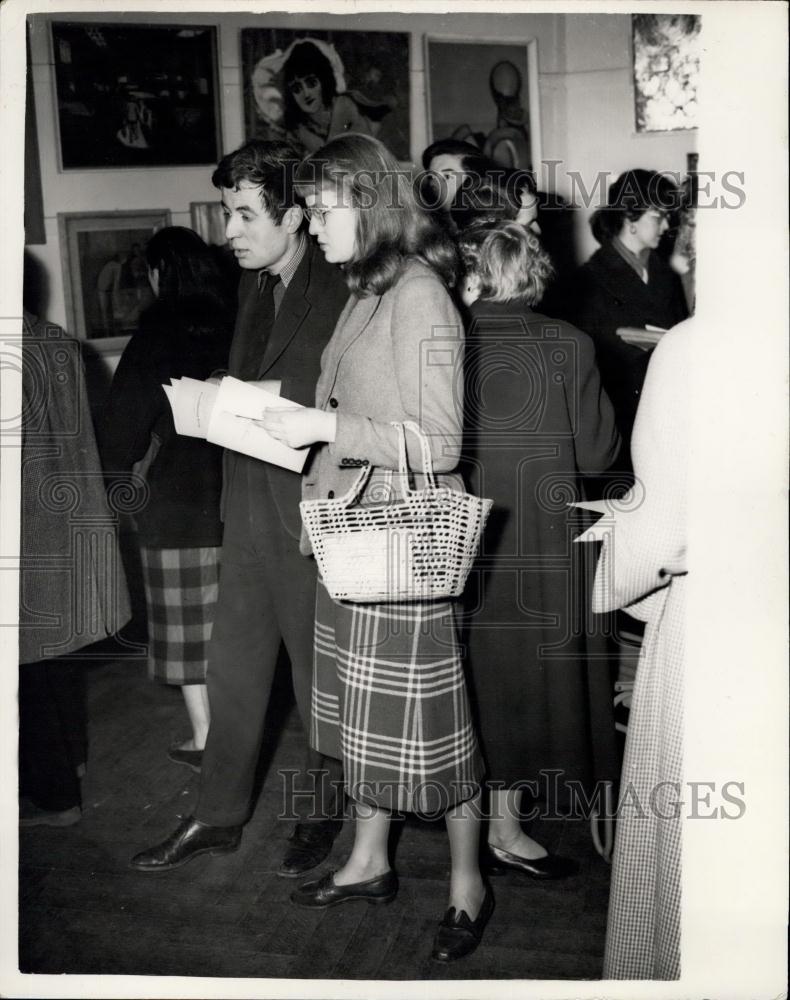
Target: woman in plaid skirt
<point x="186" y="333"/>
<point x="389" y="696"/>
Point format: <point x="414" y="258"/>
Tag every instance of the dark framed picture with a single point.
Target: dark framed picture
<point x="485" y="93"/>
<point x="666" y="55"/>
<point x="309" y="86"/>
<point x="132" y="95"/>
<point x="105" y="275"/>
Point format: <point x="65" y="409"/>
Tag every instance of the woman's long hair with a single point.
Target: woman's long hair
<point x="391" y="226"/>
<point x="306" y="59"/>
<point x="629" y="197"/>
<point x="190" y="280"/>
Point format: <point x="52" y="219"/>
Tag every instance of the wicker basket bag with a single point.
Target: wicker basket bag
<point x="419" y="547"/>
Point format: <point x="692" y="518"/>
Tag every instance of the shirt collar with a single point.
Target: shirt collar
<point x="288" y="270"/>
<point x="637" y="261"/>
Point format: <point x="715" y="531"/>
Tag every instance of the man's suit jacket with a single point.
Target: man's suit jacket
<point x="291" y="352"/>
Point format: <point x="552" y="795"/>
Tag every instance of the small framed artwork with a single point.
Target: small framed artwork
<point x="309" y="86"/>
<point x="105" y="275"/>
<point x="485" y="93"/>
<point x="133" y="95"/>
<point x="666" y="56"/>
<point x="208" y="221"/>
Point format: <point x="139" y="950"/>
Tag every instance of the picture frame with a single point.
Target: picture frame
<point x="499" y="112"/>
<point x="362" y="84"/>
<point x="208" y="220"/>
<point x="135" y="95"/>
<point x="665" y="59"/>
<point x="105" y="276"/>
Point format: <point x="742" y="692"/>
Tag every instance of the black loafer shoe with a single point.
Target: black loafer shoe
<point x="189" y="758"/>
<point x="309" y="845"/>
<point x="323" y="891"/>
<point x="187" y="841"/>
<point x="550" y="866"/>
<point x="458" y="935"/>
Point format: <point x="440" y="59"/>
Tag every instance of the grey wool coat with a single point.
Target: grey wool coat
<point x="72" y="589"/>
<point x="394" y="357"/>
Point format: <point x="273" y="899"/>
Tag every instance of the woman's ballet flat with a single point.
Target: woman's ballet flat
<point x="552" y="866"/>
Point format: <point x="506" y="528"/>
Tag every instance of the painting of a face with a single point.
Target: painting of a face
<point x="307" y="93"/>
<point x="311" y="68"/>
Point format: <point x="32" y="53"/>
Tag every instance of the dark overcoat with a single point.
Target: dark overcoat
<point x="536" y="420"/>
<point x="609" y="294"/>
<point x="185" y="473"/>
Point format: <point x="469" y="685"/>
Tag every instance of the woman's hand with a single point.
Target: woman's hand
<point x="300" y="426"/>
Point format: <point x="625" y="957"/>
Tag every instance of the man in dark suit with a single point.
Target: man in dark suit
<point x="289" y="302"/>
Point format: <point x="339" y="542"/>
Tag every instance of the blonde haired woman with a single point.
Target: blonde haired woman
<point x="537" y="420"/>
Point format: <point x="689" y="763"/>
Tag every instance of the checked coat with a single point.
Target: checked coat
<point x="642" y="569"/>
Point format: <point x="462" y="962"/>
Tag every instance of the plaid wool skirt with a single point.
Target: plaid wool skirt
<point x="390" y="701"/>
<point x="181" y="588"/>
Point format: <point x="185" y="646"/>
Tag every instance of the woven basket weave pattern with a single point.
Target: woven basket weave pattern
<point x="419" y="547"/>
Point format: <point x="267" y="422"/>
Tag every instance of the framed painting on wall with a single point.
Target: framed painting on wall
<point x="666" y="55"/>
<point x="208" y="220"/>
<point x="133" y="95"/>
<point x="105" y="275"/>
<point x="308" y="86"/>
<point x="485" y="93"/>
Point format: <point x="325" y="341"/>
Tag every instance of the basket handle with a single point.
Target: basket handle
<point x="425" y="449"/>
<point x="403" y="464"/>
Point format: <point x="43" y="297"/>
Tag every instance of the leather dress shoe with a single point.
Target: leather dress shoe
<point x="190" y="758"/>
<point x="309" y="844"/>
<point x="187" y="841"/>
<point x="458" y="935"/>
<point x="551" y="866"/>
<point x="323" y="892"/>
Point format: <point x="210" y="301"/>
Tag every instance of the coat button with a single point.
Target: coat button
<point x="333" y="403"/>
<point x="331" y="494"/>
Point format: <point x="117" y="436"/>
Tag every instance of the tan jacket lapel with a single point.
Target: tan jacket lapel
<point x="352" y="322"/>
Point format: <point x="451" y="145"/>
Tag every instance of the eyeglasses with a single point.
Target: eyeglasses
<point x="317" y="213"/>
<point x="303" y="83"/>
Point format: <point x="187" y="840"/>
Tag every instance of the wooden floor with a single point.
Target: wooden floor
<point x="82" y="910"/>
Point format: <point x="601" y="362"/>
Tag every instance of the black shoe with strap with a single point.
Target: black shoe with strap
<point x="187" y="841"/>
<point x="309" y="845"/>
<point x="458" y="934"/>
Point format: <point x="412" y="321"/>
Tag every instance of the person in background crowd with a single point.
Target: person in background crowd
<point x="185" y="334"/>
<point x="289" y="301"/>
<point x="537" y="421"/>
<point x="388" y="688"/>
<point x="643" y="568"/>
<point x="65" y="522"/>
<point x="453" y="165"/>
<point x="496" y="195"/>
<point x="626" y="283"/>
